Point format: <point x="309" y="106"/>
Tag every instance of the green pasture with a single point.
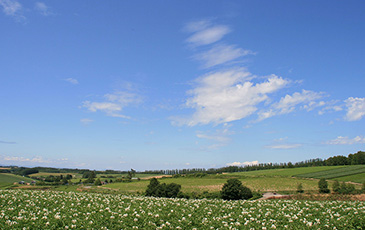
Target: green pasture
<point x="137" y="175"/>
<point x="45" y="174"/>
<point x="287" y="172"/>
<point x="7" y="179"/>
<point x="199" y="185"/>
<point x="357" y="178"/>
<point x="336" y="173"/>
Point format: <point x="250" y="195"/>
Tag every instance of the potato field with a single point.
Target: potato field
<point x="22" y="209"/>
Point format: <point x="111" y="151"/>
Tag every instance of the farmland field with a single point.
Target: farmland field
<point x="358" y="178"/>
<point x="7" y="179"/>
<point x="287" y="172"/>
<point x="212" y="184"/>
<point x="336" y="173"/>
<point x="68" y="210"/>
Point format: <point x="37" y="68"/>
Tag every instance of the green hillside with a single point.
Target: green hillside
<point x="352" y="173"/>
<point x="7" y="179"/>
<point x="286" y="172"/>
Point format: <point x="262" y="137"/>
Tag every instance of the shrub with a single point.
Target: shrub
<point x="152" y="187"/>
<point x="347" y="188"/>
<point x="162" y="190"/>
<point x="234" y="190"/>
<point x="300" y="188"/>
<point x="97" y="182"/>
<point x="323" y="186"/>
<point x="336" y="187"/>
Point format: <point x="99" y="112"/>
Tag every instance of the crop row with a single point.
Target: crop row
<point x="65" y="210"/>
<point x="335" y="173"/>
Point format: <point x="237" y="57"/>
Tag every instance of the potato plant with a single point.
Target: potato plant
<point x="20" y="209"/>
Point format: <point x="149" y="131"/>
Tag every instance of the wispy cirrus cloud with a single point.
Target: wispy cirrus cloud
<point x="340" y="140"/>
<point x="113" y="104"/>
<point x="220" y="54"/>
<point x="72" y="81"/>
<point x="14" y="9"/>
<point x="11" y="7"/>
<point x="289" y="103"/>
<point x="42" y="8"/>
<point x="219" y="137"/>
<point x="282" y="143"/>
<point x="204" y="33"/>
<point x="355" y="108"/>
<point x="86" y="121"/>
<point x="37" y="159"/>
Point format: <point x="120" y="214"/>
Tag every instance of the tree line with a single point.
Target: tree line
<point x="352" y="159"/>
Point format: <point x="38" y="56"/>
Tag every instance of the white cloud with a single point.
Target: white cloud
<point x="243" y="163"/>
<point x="288" y="103"/>
<point x="220" y="54"/>
<point x="72" y="81"/>
<point x="284" y="146"/>
<point x="86" y="121"/>
<point x="14" y="9"/>
<point x="197" y="25"/>
<point x="23" y="159"/>
<point x="42" y="8"/>
<point x="114" y="103"/>
<point x="226" y="96"/>
<point x="204" y="34"/>
<point x="11" y="7"/>
<point x="331" y="106"/>
<point x="355" y="108"/>
<point x="346" y="141"/>
<point x="219" y="137"/>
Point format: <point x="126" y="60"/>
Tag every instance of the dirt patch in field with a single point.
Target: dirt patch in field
<point x="356" y="197"/>
<point x="215" y="187"/>
<point x="157" y="177"/>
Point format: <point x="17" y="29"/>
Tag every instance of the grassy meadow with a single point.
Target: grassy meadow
<point x="283" y="180"/>
<point x="7" y="179"/>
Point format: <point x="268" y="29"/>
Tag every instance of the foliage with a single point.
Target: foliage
<point x="234" y="190"/>
<point x="70" y="210"/>
<point x="97" y="182"/>
<point x="346" y="188"/>
<point x="89" y="174"/>
<point x="162" y="190"/>
<point x="300" y="188"/>
<point x="323" y="186"/>
<point x="152" y="187"/>
<point x="29" y="171"/>
<point x="336" y="187"/>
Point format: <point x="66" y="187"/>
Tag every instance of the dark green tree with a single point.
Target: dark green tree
<point x="234" y="190"/>
<point x="97" y="182"/>
<point x="152" y="187"/>
<point x="323" y="186"/>
<point x="347" y="188"/>
<point x="300" y="188"/>
<point x="172" y="190"/>
<point x="336" y="187"/>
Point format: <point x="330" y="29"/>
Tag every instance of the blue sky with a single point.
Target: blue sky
<point x="180" y="84"/>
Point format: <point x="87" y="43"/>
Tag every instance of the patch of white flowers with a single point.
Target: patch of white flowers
<point x="69" y="210"/>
